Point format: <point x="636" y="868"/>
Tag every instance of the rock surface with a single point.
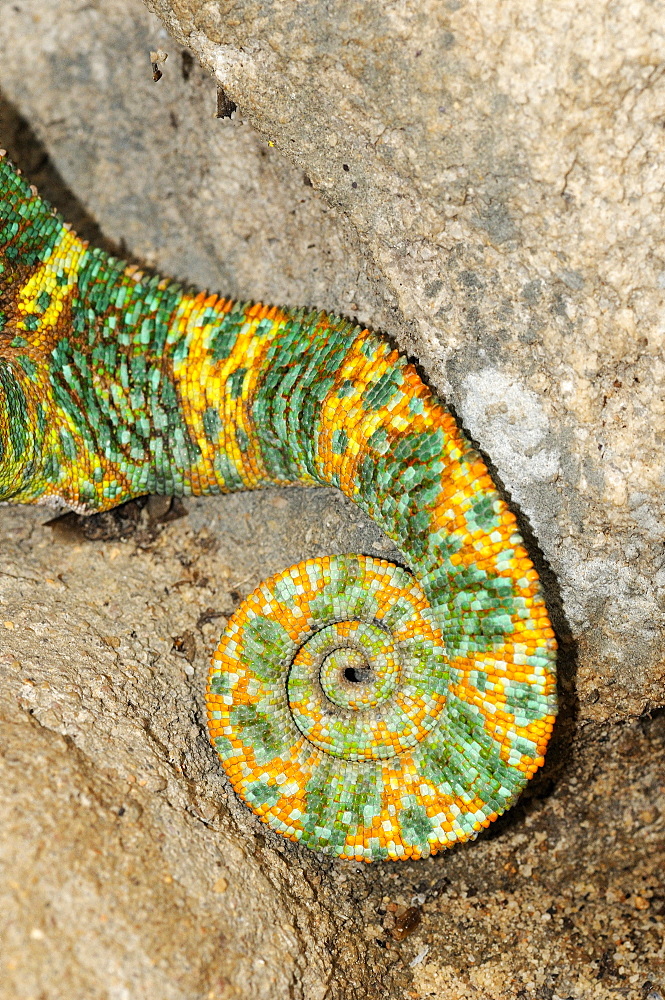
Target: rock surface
<point x="484" y="182"/>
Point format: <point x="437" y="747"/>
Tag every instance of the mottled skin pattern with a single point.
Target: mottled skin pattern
<point x="362" y="711"/>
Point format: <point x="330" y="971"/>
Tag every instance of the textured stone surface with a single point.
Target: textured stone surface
<point x="500" y="216"/>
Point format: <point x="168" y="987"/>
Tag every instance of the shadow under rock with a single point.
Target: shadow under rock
<point x="30" y="155"/>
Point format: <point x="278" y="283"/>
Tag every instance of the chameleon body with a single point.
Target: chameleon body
<point x="358" y="709"/>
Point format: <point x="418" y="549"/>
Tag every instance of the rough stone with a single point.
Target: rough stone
<point x="483" y="181"/>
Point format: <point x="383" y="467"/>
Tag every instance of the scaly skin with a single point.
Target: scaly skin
<point x="360" y="711"/>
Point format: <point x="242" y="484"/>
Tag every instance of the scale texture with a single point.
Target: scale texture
<point x="358" y="709"/>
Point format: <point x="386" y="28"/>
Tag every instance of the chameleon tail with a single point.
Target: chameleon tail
<point x="364" y="711"/>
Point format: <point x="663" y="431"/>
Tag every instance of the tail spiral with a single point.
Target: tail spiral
<point x="342" y="722"/>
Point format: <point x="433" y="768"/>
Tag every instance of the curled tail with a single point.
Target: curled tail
<point x="364" y="711"/>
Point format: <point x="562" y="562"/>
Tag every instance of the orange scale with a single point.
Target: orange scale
<point x="280" y="811"/>
<point x="529" y="633"/>
<point x="485" y="562"/>
<point x="305" y="657"/>
<point x="291" y="625"/>
<point x="459" y="528"/>
<point x="484" y="482"/>
<point x="474" y="805"/>
<point x="459" y="690"/>
<point x="460" y="806"/>
<point x="524" y="565"/>
<point x="316" y="732"/>
<point x="298" y="803"/>
<point x="507" y="569"/>
<point x="430" y="798"/>
<point x="410" y="630"/>
<point x="507" y="524"/>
